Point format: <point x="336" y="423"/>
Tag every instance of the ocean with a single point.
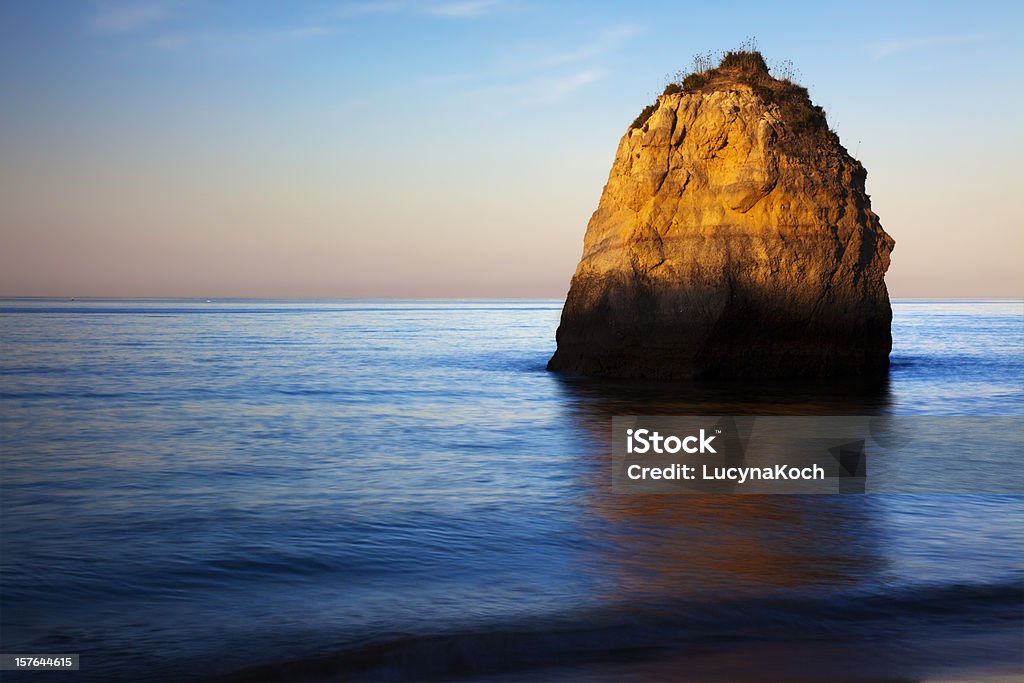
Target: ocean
<point x="397" y="490"/>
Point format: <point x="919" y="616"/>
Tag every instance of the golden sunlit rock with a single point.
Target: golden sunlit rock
<point x="734" y="238"/>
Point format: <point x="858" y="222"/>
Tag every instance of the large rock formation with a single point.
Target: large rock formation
<point x="734" y="238"/>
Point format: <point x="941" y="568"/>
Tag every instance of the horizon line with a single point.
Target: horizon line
<point x="214" y="299"/>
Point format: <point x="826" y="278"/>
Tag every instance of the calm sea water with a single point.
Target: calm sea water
<point x="398" y="489"/>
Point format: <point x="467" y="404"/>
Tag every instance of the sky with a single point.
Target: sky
<point x="457" y="148"/>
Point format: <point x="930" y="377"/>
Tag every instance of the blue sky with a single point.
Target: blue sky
<point x="392" y="148"/>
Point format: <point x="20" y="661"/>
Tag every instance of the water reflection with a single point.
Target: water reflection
<point x="595" y="399"/>
<point x="669" y="547"/>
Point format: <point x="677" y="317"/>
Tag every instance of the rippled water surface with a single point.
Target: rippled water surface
<point x="367" y="487"/>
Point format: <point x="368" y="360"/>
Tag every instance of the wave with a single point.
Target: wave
<point x="631" y="635"/>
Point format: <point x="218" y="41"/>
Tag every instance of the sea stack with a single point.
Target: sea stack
<point x="734" y="239"/>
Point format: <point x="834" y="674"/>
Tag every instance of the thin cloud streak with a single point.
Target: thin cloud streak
<point x="459" y="10"/>
<point x="127" y="18"/>
<point x="362" y="9"/>
<point x="557" y="89"/>
<point x="237" y="39"/>
<point x="450" y="10"/>
<point x="894" y="47"/>
<point x="541" y="91"/>
<point x="606" y="41"/>
<point x="546" y="85"/>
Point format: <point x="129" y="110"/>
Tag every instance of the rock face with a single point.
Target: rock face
<point x="734" y="238"/>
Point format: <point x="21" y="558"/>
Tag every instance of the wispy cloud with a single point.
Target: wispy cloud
<point x="605" y="41"/>
<point x="892" y="47"/>
<point x="531" y="75"/>
<point x="236" y="39"/>
<point x="463" y="9"/>
<point x="127" y="17"/>
<point x="361" y="9"/>
<point x="460" y="10"/>
<point x="539" y="91"/>
<point x="124" y="18"/>
<point x="557" y="89"/>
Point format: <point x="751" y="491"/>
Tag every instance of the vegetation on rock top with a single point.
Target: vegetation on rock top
<point x="746" y="65"/>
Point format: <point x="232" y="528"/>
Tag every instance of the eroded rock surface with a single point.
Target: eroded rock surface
<point x="734" y="238"/>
